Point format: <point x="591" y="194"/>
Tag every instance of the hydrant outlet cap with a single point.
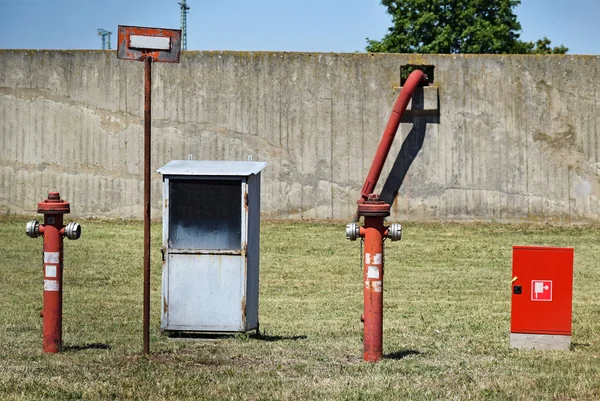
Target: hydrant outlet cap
<point x="395" y="232"/>
<point x="73" y="230"/>
<point x="32" y="228"/>
<point x="352" y="231"/>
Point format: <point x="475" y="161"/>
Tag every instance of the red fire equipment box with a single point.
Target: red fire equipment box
<point x="542" y="288"/>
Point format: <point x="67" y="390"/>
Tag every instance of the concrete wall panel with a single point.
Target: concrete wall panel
<point x="516" y="137"/>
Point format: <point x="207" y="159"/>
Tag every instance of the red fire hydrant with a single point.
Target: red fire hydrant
<point x="374" y="232"/>
<point x="53" y="232"/>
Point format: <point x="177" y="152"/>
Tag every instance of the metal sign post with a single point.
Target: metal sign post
<point x="148" y="45"/>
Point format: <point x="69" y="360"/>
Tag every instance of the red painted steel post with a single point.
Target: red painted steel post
<point x="373" y="232"/>
<point x="53" y="232"/>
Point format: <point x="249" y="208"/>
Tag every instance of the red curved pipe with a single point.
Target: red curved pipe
<point x="415" y="79"/>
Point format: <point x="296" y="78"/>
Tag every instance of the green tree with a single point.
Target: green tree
<point x="456" y="26"/>
<point x="542" y="46"/>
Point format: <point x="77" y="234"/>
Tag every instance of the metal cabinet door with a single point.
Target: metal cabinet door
<point x="204" y="280"/>
<point x="205" y="292"/>
<point x="542" y="290"/>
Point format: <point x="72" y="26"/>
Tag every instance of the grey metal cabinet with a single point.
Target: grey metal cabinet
<point x="211" y="229"/>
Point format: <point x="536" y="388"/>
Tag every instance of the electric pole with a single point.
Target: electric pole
<point x="104" y="34"/>
<point x="184" y="10"/>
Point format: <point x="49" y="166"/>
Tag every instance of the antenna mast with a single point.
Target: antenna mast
<point x="104" y="34"/>
<point x="184" y="10"/>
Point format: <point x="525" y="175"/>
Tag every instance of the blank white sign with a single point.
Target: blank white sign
<point x="150" y="42"/>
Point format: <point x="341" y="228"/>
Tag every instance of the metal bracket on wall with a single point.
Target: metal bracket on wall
<point x="425" y="102"/>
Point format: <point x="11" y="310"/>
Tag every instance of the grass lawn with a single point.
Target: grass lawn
<point x="446" y="320"/>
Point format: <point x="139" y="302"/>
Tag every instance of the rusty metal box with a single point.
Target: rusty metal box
<point x="211" y="226"/>
<point x="541" y="297"/>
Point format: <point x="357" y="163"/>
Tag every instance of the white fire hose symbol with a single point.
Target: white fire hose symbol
<point x="539" y="288"/>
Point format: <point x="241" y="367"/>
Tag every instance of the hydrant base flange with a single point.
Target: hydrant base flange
<point x="375" y="213"/>
<point x="374" y="209"/>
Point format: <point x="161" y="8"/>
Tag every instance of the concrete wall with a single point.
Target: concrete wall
<point x="517" y="137"/>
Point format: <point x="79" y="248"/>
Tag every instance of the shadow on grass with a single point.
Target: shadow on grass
<point x="77" y="348"/>
<point x="240" y="336"/>
<point x="270" y="338"/>
<point x="192" y="335"/>
<point x="401" y="354"/>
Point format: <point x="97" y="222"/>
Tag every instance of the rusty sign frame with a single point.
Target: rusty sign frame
<point x="148" y="45"/>
<point x="140" y="52"/>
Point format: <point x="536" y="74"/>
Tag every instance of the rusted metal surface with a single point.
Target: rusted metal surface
<point x="148" y="45"/>
<point x="53" y="232"/>
<point x="243" y="309"/>
<point x="374" y="207"/>
<point x="415" y="79"/>
<point x="125" y="51"/>
<point x="147" y="182"/>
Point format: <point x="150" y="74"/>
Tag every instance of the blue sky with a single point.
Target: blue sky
<point x="280" y="25"/>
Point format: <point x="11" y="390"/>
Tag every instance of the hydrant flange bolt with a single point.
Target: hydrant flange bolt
<point x="33" y="228"/>
<point x="73" y="230"/>
<point x="352" y="231"/>
<point x="395" y="232"/>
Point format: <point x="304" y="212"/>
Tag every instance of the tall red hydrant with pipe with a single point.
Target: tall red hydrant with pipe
<point x="53" y="232"/>
<point x="374" y="231"/>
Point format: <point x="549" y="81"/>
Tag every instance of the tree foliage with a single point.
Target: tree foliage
<point x="456" y="26"/>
